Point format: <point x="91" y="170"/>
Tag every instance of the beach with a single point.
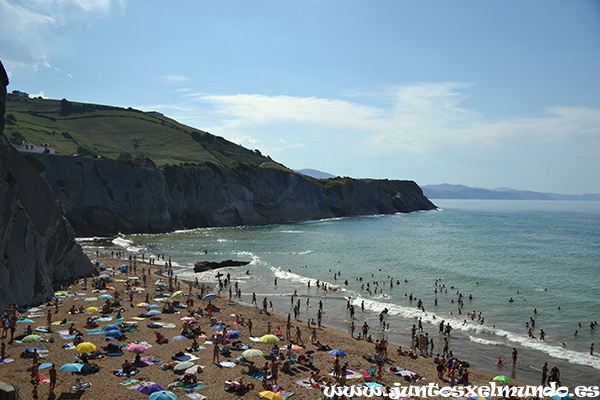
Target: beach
<point x="104" y="384"/>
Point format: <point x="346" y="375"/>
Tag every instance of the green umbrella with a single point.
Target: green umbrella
<point x="502" y="378"/>
<point x="31" y="338"/>
<point x="252" y="353"/>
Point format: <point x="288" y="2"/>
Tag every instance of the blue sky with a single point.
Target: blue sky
<point x="481" y="93"/>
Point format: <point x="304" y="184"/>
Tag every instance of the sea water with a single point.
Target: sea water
<point x="545" y="255"/>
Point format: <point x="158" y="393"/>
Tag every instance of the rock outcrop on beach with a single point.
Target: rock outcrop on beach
<point x="103" y="197"/>
<point x="201" y="266"/>
<point x="37" y="245"/>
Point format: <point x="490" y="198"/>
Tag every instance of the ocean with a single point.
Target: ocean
<point x="545" y="255"/>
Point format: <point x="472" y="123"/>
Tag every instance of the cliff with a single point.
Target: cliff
<point x="102" y="197"/>
<point x="37" y="246"/>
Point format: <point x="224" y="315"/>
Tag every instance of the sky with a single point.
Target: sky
<point x="481" y="93"/>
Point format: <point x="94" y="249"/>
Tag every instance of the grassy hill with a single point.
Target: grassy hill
<point x="113" y="132"/>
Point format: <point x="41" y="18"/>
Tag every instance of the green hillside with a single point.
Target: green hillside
<point x="112" y="132"/>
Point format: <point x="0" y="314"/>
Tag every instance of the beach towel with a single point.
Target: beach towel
<point x="68" y="337"/>
<point x="96" y="331"/>
<point x="81" y="386"/>
<point x="41" y="329"/>
<point x="150" y="360"/>
<point x="185" y="357"/>
<point x="42" y="379"/>
<point x="6" y="360"/>
<point x="129" y="382"/>
<point x="254" y="339"/>
<point x="285" y="394"/>
<point x="90" y="299"/>
<point x="114" y="354"/>
<point x="119" y="372"/>
<point x="104" y="319"/>
<point x="305" y="383"/>
<point x="80" y="294"/>
<point x="190" y="388"/>
<point x="227" y="364"/>
<point x="196" y="396"/>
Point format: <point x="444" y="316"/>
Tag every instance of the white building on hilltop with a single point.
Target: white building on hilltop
<point x="39" y="148"/>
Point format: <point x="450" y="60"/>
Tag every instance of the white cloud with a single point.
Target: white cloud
<point x="175" y="78"/>
<point x="416" y="119"/>
<point x="29" y="29"/>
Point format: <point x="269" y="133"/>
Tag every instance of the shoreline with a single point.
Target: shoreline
<point x="104" y="382"/>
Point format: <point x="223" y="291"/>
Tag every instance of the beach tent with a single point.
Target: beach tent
<point x="164" y="395"/>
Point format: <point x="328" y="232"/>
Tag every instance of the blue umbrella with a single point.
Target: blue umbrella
<point x="163" y="395"/>
<point x="558" y="397"/>
<point x="217" y="327"/>
<point x="44" y="366"/>
<point x="153" y="306"/>
<point x="147" y="390"/>
<point x="234" y="334"/>
<point x="153" y="312"/>
<point x="105" y="297"/>
<point x="113" y="334"/>
<point x="179" y="338"/>
<point x="111" y="328"/>
<point x="209" y="296"/>
<point x="71" y="367"/>
<point x="337" y="353"/>
<point x="123" y="267"/>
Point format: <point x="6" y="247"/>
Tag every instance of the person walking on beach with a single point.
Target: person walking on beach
<point x="515" y="354"/>
<point x="299" y="336"/>
<point x="52" y="378"/>
<point x="365" y="329"/>
<point x="215" y="359"/>
<point x="544" y="373"/>
<point x="249" y="327"/>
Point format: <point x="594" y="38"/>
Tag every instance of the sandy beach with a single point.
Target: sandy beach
<point x="105" y="384"/>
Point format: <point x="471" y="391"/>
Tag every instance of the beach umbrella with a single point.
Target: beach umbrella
<point x="269" y="339"/>
<point x="159" y="282"/>
<point x="148" y="390"/>
<point x="71" y="367"/>
<point x="209" y="296"/>
<point x="103" y="276"/>
<point x="233" y="334"/>
<point x="153" y="312"/>
<point x="179" y="338"/>
<point x="44" y="366"/>
<point x="25" y="321"/>
<point x="85" y="347"/>
<point x="113" y="334"/>
<point x="105" y="297"/>
<point x="117" y="322"/>
<point x="164" y="395"/>
<point x="91" y="309"/>
<point x="559" y="397"/>
<point x="177" y="293"/>
<point x="187" y="319"/>
<point x="31" y="338"/>
<point x="217" y="327"/>
<point x="111" y="327"/>
<point x="502" y="378"/>
<point x="479" y="397"/>
<point x="250" y="353"/>
<point x="182" y="366"/>
<point x="269" y="395"/>
<point x="109" y="269"/>
<point x="94" y="261"/>
<point x="146" y="305"/>
<point x="337" y="353"/>
<point x="153" y="306"/>
<point x="137" y="348"/>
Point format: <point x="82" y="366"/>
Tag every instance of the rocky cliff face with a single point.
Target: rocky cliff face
<point x="102" y="197"/>
<point x="37" y="246"/>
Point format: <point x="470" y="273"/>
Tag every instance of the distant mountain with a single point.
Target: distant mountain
<point x="315" y="173"/>
<point x="448" y="191"/>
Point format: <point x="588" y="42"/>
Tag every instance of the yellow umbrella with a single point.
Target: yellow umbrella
<point x="269" y="339"/>
<point x="91" y="309"/>
<point x="267" y="394"/>
<point x="85" y="347"/>
<point x="177" y="293"/>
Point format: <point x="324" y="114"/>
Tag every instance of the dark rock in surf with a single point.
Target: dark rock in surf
<point x="201" y="266"/>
